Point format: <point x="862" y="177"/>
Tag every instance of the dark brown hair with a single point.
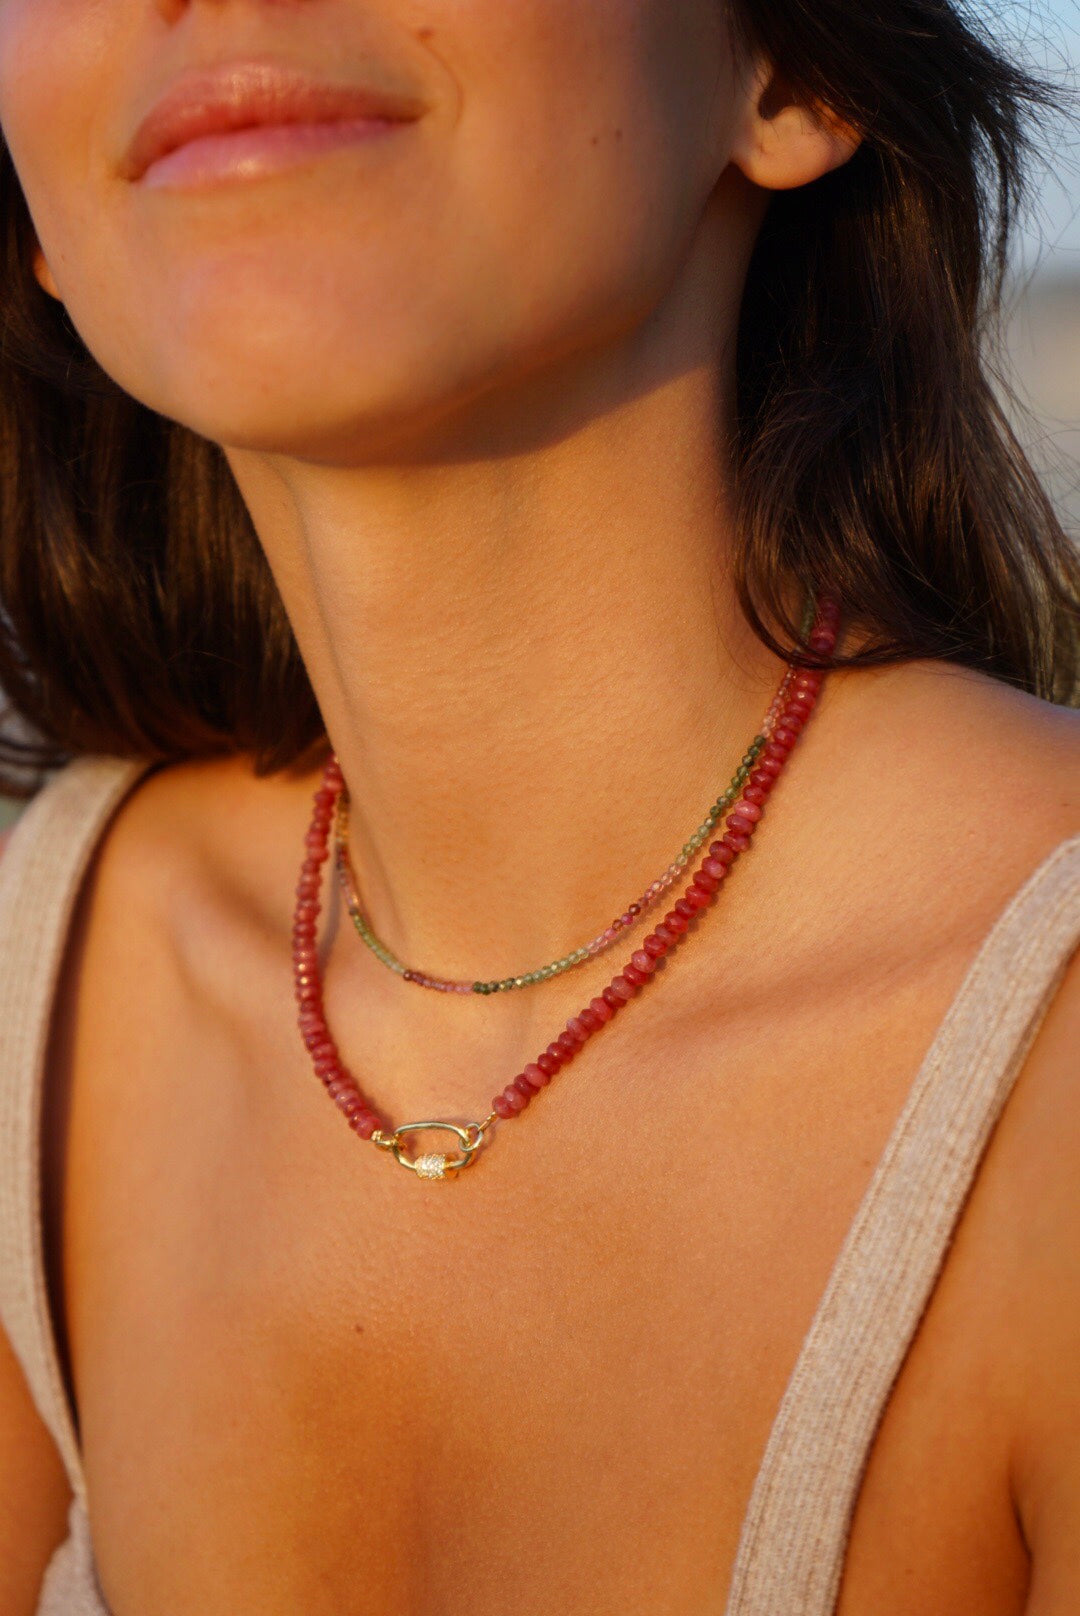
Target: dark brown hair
<point x="137" y="612"/>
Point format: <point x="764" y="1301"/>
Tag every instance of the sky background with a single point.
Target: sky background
<point x="1048" y="32"/>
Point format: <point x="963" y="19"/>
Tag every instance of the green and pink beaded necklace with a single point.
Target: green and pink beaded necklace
<point x="743" y="802"/>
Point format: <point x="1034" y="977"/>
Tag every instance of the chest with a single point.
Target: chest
<point x="308" y="1380"/>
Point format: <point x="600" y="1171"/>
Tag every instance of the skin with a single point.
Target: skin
<point x="475" y="386"/>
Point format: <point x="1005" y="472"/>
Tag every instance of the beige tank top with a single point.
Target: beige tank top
<point x="794" y="1535"/>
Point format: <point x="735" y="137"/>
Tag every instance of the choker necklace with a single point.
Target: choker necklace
<point x="754" y="779"/>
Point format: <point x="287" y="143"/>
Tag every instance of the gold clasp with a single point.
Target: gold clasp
<point x="432" y="1166"/>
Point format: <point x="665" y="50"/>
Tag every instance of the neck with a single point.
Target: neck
<point x="532" y="668"/>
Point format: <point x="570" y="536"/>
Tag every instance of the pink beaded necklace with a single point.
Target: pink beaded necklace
<point x="789" y="712"/>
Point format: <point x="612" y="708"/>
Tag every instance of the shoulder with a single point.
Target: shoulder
<point x="197" y="850"/>
<point x="956" y="779"/>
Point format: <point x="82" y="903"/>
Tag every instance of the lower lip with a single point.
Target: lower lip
<point x="250" y="154"/>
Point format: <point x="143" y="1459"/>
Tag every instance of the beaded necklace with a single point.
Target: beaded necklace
<point x="754" y="779"/>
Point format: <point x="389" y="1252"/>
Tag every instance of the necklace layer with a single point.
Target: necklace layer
<point x="754" y="781"/>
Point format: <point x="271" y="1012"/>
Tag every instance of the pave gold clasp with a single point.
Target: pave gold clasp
<point x="470" y="1136"/>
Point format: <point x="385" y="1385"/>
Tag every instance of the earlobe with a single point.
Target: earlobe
<point x="44" y="275"/>
<point x="783" y="142"/>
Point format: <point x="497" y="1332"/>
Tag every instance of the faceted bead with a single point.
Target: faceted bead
<point x="524" y="1086"/>
<point x="502" y="1107"/>
<point x="676" y="922"/>
<point x="715" y="867"/>
<point x="783" y="736"/>
<point x="610" y="997"/>
<point x="536" y="1075"/>
<point x="514" y="1098"/>
<point x="686" y="909"/>
<point x="635" y="977"/>
<point x="643" y="960"/>
<point x="721" y="852"/>
<point x="754" y="794"/>
<point x="600" y="1008"/>
<point x="654" y="946"/>
<point x="577" y="1026"/>
<point x="771" y="766"/>
<point x="747" y="810"/>
<point x="705" y="881"/>
<point x="364" y="1123"/>
<point x="589" y="1018"/>
<point x="666" y="934"/>
<point x="737" y="841"/>
<point x="622" y="988"/>
<point x="548" y="1062"/>
<point x="696" y="899"/>
<point x="740" y="825"/>
<point x="568" y="1044"/>
<point x="823" y="641"/>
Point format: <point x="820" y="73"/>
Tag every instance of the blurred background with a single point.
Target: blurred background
<point x="1043" y="303"/>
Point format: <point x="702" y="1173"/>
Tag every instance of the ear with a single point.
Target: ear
<point x="44" y="275"/>
<point x="781" y="142"/>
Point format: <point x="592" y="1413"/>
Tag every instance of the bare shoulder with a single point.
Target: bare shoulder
<point x="956" y="785"/>
<point x="199" y="840"/>
<point x="995" y="737"/>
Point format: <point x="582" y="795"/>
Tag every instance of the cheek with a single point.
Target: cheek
<point x="56" y="58"/>
<point x="589" y="141"/>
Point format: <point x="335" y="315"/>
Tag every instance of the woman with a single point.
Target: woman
<point x="427" y="425"/>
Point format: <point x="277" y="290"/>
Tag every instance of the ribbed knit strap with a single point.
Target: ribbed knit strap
<point x="794" y="1536"/>
<point x="40" y="875"/>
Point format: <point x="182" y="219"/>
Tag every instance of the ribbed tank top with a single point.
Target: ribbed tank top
<point x="794" y="1535"/>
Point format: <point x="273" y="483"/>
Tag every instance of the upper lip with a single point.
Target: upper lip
<point x="241" y="95"/>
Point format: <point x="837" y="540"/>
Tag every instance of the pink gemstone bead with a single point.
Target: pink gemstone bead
<point x="502" y="1107"/>
<point x="610" y="997"/>
<point x="622" y="988"/>
<point x="748" y="810"/>
<point x="589" y="1018"/>
<point x="716" y="868"/>
<point x="536" y="1075"/>
<point x="600" y="1008"/>
<point x="548" y="1062"/>
<point x="643" y="960"/>
<point x="655" y="946"/>
<point x="514" y="1098"/>
<point x="636" y="978"/>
